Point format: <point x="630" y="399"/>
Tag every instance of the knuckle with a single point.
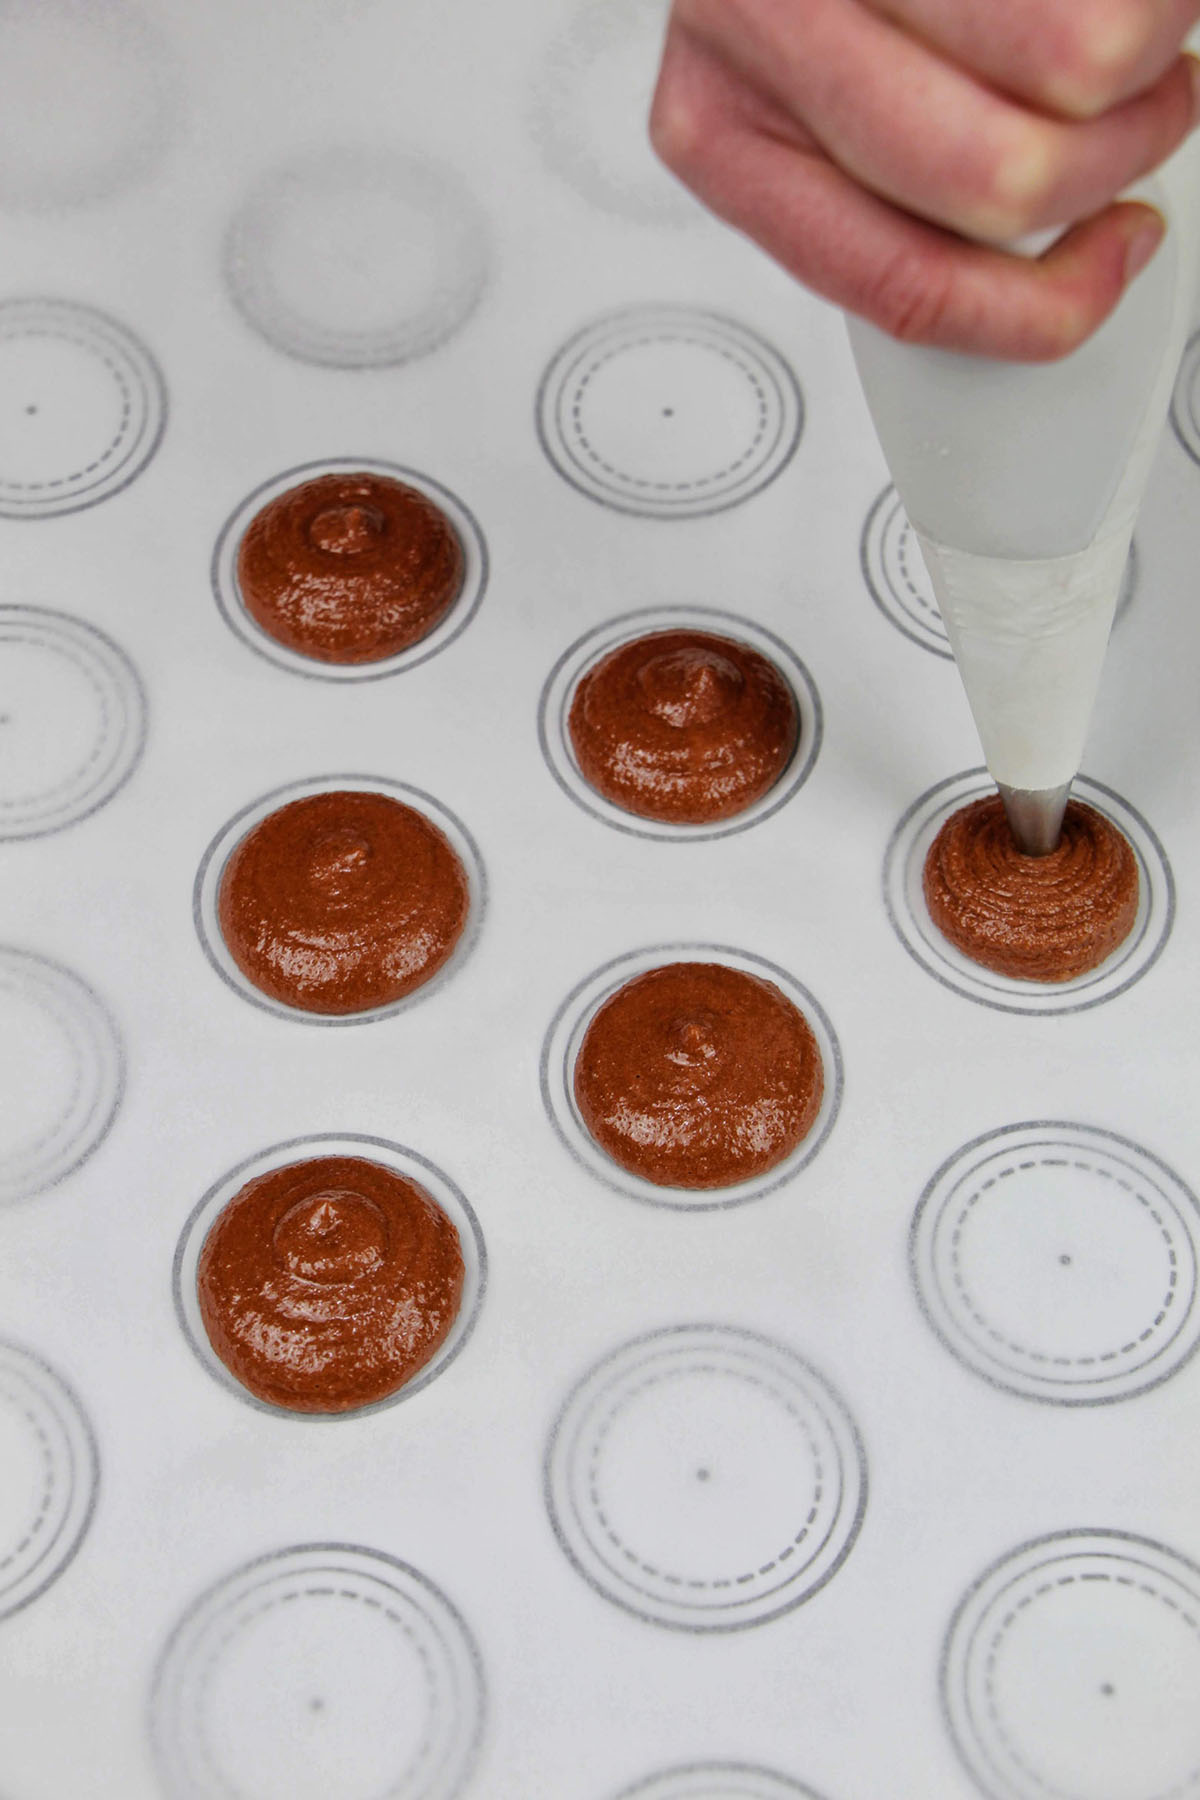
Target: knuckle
<point x="918" y="300"/>
<point x="910" y="298"/>
<point x="1102" y="43"/>
<point x="1062" y="337"/>
<point x="676" y="126"/>
<point x="1057" y="331"/>
<point x="1010" y="185"/>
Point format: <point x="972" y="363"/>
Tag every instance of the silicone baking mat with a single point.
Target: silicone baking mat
<point x="881" y="1480"/>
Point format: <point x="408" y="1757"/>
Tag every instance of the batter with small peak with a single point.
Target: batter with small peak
<point x="350" y="568"/>
<point x="698" y="1075"/>
<point x="342" y="902"/>
<point x="328" y="1284"/>
<point x="683" y="726"/>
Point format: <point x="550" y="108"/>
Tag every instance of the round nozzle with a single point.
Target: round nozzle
<point x="1035" y="816"/>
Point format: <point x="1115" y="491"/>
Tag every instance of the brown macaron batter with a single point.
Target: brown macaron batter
<point x="342" y="902"/>
<point x="698" y="1075"/>
<point x="1035" y="918"/>
<point x="350" y="568"/>
<point x="328" y="1284"/>
<point x="683" y="726"/>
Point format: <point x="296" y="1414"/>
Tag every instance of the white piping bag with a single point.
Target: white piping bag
<point x="1023" y="482"/>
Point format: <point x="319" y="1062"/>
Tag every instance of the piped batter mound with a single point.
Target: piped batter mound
<point x="683" y="726"/>
<point x="696" y="1075"/>
<point x="350" y="568"/>
<point x="342" y="902"/>
<point x="1036" y="918"/>
<point x="328" y="1284"/>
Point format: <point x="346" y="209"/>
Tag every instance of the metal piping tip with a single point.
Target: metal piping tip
<point x="1035" y="816"/>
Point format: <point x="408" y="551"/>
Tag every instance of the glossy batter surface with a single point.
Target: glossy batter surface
<point x="350" y="568"/>
<point x="342" y="902"/>
<point x="696" y="1075"/>
<point x="683" y="726"/>
<point x="328" y="1284"/>
<point x="1037" y="918"/>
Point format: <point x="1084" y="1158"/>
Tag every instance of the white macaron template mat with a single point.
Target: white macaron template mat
<point x="878" y="1480"/>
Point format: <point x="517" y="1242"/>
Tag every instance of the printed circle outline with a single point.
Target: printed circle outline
<point x="95" y="171"/>
<point x="560" y="1047"/>
<point x="751" y="1781"/>
<point x="623" y="1372"/>
<point x="886" y="533"/>
<point x="122" y="697"/>
<point x="779" y="402"/>
<point x="648" y="196"/>
<point x="558" y="691"/>
<point x="421" y="184"/>
<point x="1185" y="399"/>
<point x="222" y="846"/>
<point x="52" y="1413"/>
<point x="397" y="1157"/>
<point x="97" y="1085"/>
<point x="907" y="602"/>
<point x="141" y="394"/>
<point x="420" y="1607"/>
<point x="228" y="594"/>
<point x="905" y="905"/>
<point x="959" y="1663"/>
<point x="1029" y="1138"/>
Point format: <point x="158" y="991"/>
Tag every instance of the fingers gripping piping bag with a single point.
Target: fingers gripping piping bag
<point x="1023" y="482"/>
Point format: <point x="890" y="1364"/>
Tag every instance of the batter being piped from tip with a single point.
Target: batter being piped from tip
<point x="1022" y="483"/>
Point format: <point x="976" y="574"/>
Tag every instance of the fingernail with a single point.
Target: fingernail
<point x="1141" y="248"/>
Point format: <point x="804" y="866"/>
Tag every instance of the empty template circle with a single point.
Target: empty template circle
<point x="49" y="1473"/>
<point x="206" y="890"/>
<point x="717" y="1781"/>
<point x="1061" y="1262"/>
<point x="357" y="258"/>
<point x="903" y="870"/>
<point x="86" y="99"/>
<point x="320" y="1670"/>
<point x="706" y="1478"/>
<point x="569" y="1026"/>
<point x="668" y="411"/>
<point x="72" y="720"/>
<point x="228" y="593"/>
<point x="898" y="581"/>
<point x="592" y="103"/>
<point x="1072" y="1669"/>
<point x="559" y="693"/>
<point x="396" y="1157"/>
<point x="61" y="1072"/>
<point x="1185" y="401"/>
<point x="82" y="407"/>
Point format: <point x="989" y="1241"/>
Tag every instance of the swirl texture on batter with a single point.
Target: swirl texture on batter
<point x="683" y="726"/>
<point x="698" y="1075"/>
<point x="1035" y="918"/>
<point x="350" y="568"/>
<point x="328" y="1284"/>
<point x="342" y="902"/>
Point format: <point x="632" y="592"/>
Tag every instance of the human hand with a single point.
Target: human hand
<point x="884" y="150"/>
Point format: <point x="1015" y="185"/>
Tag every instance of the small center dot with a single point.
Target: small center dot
<point x="316" y="1704"/>
<point x="1065" y="1260"/>
<point x="1106" y="1687"/>
<point x="668" y="412"/>
<point x="31" y="409"/>
<point x="703" y="1474"/>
